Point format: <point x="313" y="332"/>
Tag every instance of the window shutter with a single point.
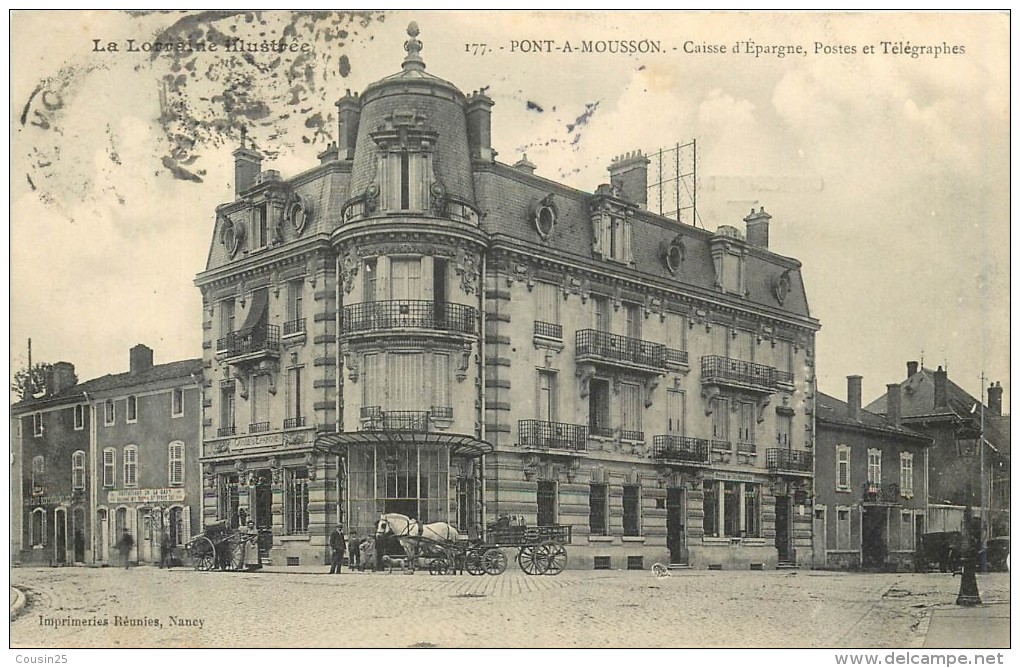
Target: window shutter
<point x="626" y="241"/>
<point x="186" y="525"/>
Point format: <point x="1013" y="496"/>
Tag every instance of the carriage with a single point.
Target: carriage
<point x="219" y="547"/>
<point x="540" y="549"/>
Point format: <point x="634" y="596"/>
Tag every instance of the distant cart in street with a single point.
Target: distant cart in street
<point x="219" y="548"/>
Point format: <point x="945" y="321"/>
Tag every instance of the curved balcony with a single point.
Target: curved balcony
<point x="400" y="316"/>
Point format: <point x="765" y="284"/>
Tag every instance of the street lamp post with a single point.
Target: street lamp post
<point x="968" y="594"/>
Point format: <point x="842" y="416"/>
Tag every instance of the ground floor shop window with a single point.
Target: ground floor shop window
<point x="546" y="498"/>
<point x="296" y="501"/>
<point x="230" y="500"/>
<point x="631" y="510"/>
<point x="732" y="509"/>
<point x="598" y="496"/>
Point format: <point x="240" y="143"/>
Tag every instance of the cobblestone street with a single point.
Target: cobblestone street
<point x="574" y="609"/>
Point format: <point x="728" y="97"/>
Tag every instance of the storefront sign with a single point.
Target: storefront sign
<point x="52" y="500"/>
<point x="146" y="495"/>
<point x="731" y="477"/>
<point x="266" y="440"/>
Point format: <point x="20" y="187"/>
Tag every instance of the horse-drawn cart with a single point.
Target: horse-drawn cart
<point x="540" y="549"/>
<point x="219" y="547"/>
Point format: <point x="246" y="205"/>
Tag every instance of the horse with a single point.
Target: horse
<point x="410" y="533"/>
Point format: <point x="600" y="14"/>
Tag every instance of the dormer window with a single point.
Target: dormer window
<point x="405" y="175"/>
<point x="260" y="225"/>
<point x="611" y="227"/>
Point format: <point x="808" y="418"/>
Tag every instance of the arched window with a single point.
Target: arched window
<point x="38" y="474"/>
<point x="38" y="527"/>
<point x="175" y="474"/>
<point x="78" y="470"/>
<point x="130" y="466"/>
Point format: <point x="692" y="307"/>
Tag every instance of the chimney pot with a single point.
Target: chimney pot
<point x="629" y="173"/>
<point x="995" y="399"/>
<point x="853" y="397"/>
<point x="757" y="231"/>
<point x="60" y="377"/>
<point x="893" y="411"/>
<point x="911" y="368"/>
<point x="247" y="165"/>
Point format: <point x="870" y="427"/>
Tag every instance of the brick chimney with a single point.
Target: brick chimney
<point x="525" y="165"/>
<point x="247" y="165"/>
<point x="349" y="112"/>
<point x="893" y="407"/>
<point x="479" y="126"/>
<point x="59" y="378"/>
<point x="758" y="228"/>
<point x="141" y="358"/>
<point x="331" y="153"/>
<point x="940" y="388"/>
<point x="911" y="369"/>
<point x="995" y="399"/>
<point x="853" y="397"/>
<point x="629" y="173"/>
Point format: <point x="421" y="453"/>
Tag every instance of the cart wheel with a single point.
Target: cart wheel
<point x="203" y="554"/>
<point x="236" y="557"/>
<point x="533" y="559"/>
<point x="494" y="561"/>
<point x="557" y="557"/>
<point x="439" y="567"/>
<point x="473" y="563"/>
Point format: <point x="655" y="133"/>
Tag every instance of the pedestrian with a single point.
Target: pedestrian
<point x="125" y="544"/>
<point x="353" y="553"/>
<point x="338" y="543"/>
<point x="166" y="550"/>
<point x="250" y="547"/>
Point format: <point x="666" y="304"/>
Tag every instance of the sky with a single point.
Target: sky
<point x="886" y="173"/>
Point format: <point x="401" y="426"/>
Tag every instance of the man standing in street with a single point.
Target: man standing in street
<point x="338" y="544"/>
<point x="354" y="551"/>
<point x="166" y="550"/>
<point x="125" y="544"/>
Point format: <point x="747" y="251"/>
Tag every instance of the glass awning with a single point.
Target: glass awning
<point x="460" y="445"/>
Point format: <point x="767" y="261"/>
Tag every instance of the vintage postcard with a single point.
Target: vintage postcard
<point x="523" y="329"/>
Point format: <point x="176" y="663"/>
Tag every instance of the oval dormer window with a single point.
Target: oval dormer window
<point x="299" y="213"/>
<point x="543" y="216"/>
<point x="233" y="236"/>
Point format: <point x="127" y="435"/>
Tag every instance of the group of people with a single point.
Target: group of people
<point x="359" y="550"/>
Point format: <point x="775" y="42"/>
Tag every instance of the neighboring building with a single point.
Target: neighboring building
<point x="937" y="407"/>
<point x="413" y="327"/>
<point x="145" y="456"/>
<point x="53" y="433"/>
<point x="870" y="482"/>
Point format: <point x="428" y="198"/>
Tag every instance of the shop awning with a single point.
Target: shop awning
<point x="460" y="445"/>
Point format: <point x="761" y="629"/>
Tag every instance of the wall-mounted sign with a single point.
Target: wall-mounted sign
<point x="257" y="441"/>
<point x="164" y="495"/>
<point x="731" y="477"/>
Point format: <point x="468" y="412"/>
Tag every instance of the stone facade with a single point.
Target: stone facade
<point x="484" y="343"/>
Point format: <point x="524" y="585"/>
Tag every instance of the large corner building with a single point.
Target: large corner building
<point x="411" y="326"/>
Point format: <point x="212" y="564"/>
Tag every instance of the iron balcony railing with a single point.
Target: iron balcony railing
<point x="259" y="339"/>
<point x="746" y="448"/>
<point x="781" y="459"/>
<point x="676" y="357"/>
<point x="409" y="314"/>
<point x="631" y="435"/>
<point x="552" y="435"/>
<point x="294" y="422"/>
<point x="374" y="418"/>
<point x="673" y="448"/>
<point x="784" y="377"/>
<point x="442" y="412"/>
<point x="227" y="431"/>
<point x="879" y="493"/>
<point x="294" y="327"/>
<point x="717" y="369"/>
<point x="258" y="427"/>
<point x="616" y="348"/>
<point x="548" y="330"/>
<point x="604" y="432"/>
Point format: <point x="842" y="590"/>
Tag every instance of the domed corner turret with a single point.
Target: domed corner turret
<point x="412" y="149"/>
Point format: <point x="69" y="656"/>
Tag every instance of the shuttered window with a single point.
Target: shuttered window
<point x="78" y="470"/>
<point x="130" y="466"/>
<point x="109" y="467"/>
<point x="405" y="278"/>
<point x="406" y="381"/>
<point x="175" y="456"/>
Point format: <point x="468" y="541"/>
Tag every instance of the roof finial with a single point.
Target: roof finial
<point x="413" y="61"/>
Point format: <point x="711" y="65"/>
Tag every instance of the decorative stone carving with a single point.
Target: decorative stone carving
<point x="209" y="481"/>
<point x="467" y="268"/>
<point x="650" y="386"/>
<point x="708" y="393"/>
<point x="437" y="191"/>
<point x="371" y="198"/>
<point x="762" y="404"/>
<point x="351" y="362"/>
<point x="532" y="465"/>
<point x="465" y="362"/>
<point x="584" y="374"/>
<point x="242" y="380"/>
<point x="311" y="460"/>
<point x="311" y="272"/>
<point x="349" y="268"/>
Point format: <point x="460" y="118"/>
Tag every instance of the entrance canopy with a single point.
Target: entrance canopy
<point x="460" y="445"/>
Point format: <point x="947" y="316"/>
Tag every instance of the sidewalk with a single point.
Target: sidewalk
<point x="17" y="602"/>
<point x="982" y="626"/>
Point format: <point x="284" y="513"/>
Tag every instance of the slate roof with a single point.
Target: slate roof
<point x="831" y="410"/>
<point x="917" y="399"/>
<point x="158" y="372"/>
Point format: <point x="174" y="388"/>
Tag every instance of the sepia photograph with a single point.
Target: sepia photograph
<point x="573" y="329"/>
